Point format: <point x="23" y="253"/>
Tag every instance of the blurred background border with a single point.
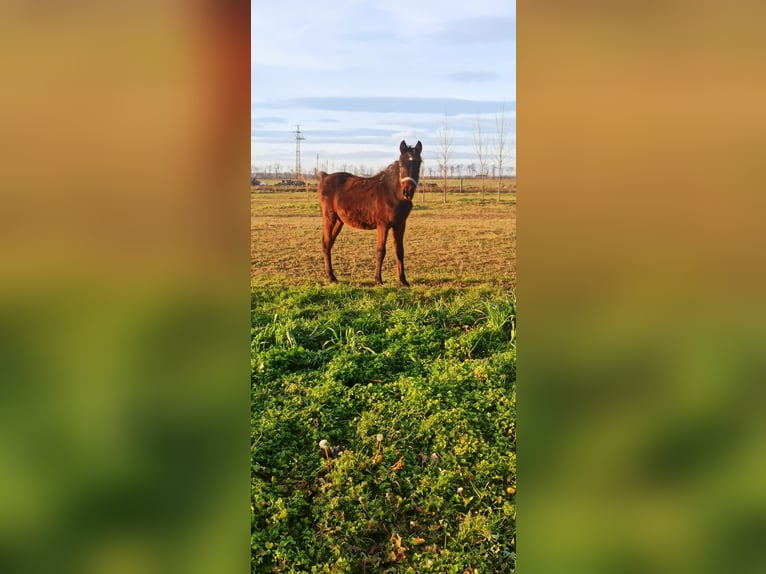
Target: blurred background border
<point x="124" y="291"/>
<point x="640" y="287"/>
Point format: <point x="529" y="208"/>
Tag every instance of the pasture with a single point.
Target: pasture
<point x="412" y="388"/>
<point x="461" y="243"/>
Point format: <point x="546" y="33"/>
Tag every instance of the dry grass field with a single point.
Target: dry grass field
<point x="465" y="242"/>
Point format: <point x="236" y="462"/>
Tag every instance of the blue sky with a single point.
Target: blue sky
<point x="359" y="76"/>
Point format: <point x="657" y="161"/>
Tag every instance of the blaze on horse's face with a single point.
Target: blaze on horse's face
<point x="409" y="168"/>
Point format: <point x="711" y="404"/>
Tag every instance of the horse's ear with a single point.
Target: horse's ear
<point x="418" y="147"/>
<point x="402" y="147"/>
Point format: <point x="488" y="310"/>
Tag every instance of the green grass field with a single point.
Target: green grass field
<point x="413" y="390"/>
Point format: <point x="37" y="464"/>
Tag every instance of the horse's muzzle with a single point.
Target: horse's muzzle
<point x="409" y="185"/>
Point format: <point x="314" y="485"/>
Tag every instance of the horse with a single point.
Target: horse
<point x="380" y="202"/>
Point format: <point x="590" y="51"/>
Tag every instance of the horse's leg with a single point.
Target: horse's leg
<point x="399" y="246"/>
<point x="380" y="252"/>
<point x="332" y="226"/>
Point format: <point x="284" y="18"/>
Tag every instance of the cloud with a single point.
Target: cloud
<point x="400" y="105"/>
<point x="268" y="120"/>
<point x="482" y="30"/>
<point x="314" y="136"/>
<point x="471" y="76"/>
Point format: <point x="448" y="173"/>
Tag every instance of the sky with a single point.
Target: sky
<point x="359" y="76"/>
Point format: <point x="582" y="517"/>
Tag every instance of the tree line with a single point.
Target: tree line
<point x="491" y="154"/>
<point x="491" y="149"/>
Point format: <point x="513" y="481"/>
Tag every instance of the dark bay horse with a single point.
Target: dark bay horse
<point x="380" y="202"/>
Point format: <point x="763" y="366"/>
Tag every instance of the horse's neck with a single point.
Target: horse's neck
<point x="391" y="173"/>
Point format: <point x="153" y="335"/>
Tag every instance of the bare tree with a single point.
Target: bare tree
<point x="445" y="144"/>
<point x="500" y="145"/>
<point x="480" y="145"/>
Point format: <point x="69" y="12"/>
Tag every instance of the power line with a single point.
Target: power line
<point x="298" y="138"/>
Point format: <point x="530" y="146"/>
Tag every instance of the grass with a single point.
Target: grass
<point x="413" y="390"/>
<point x="461" y="243"/>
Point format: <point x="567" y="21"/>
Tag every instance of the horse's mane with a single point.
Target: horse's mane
<point x="391" y="171"/>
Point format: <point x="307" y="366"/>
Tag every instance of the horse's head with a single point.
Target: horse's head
<point x="409" y="168"/>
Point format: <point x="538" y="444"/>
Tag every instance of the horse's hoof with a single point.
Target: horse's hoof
<point x="403" y="284"/>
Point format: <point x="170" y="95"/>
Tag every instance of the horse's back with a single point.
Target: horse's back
<point x="331" y="184"/>
<point x="337" y="178"/>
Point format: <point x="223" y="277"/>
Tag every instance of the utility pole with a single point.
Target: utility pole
<point x="298" y="138"/>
